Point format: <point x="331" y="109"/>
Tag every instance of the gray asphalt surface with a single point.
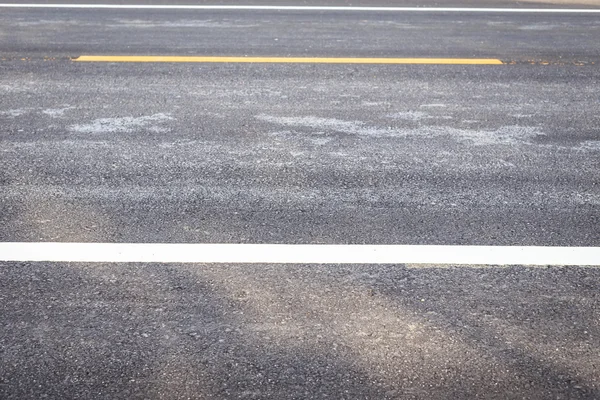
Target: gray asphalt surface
<point x="156" y="331"/>
<point x="40" y="33"/>
<point x="223" y="153"/>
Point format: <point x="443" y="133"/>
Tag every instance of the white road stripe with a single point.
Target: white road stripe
<point x="306" y="8"/>
<point x="298" y="254"/>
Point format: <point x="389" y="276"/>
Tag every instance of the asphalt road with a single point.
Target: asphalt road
<point x="39" y="33"/>
<point x="313" y="153"/>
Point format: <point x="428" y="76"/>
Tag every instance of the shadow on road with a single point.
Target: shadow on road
<point x="251" y="331"/>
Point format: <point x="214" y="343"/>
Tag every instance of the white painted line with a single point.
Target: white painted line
<point x="306" y="8"/>
<point x="297" y="254"/>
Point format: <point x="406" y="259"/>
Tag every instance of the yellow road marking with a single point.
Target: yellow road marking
<point x="289" y="60"/>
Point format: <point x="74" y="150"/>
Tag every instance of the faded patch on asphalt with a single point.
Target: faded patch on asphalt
<point x="123" y="124"/>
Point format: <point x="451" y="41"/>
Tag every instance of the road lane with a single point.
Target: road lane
<point x="202" y="331"/>
<point x="479" y="155"/>
<point x="511" y="37"/>
<point x="272" y="153"/>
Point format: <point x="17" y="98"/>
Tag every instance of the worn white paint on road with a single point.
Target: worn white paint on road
<point x="305" y="8"/>
<point x="297" y="253"/>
